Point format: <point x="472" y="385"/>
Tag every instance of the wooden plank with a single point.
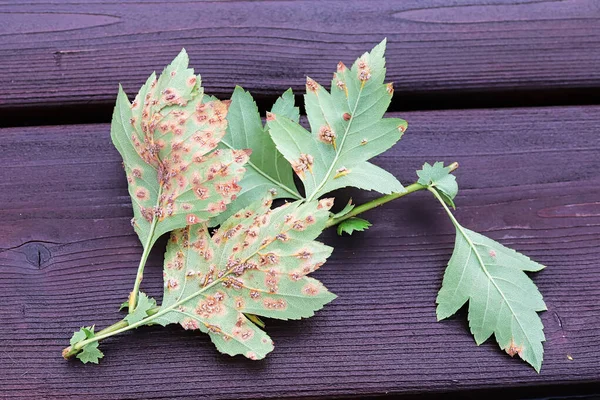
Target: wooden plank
<point x="528" y="178"/>
<point x="75" y="53"/>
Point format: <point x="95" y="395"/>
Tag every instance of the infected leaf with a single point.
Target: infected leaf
<point x="502" y="299"/>
<point x="347" y="130"/>
<point x="167" y="138"/>
<point x="144" y="304"/>
<point x="256" y="263"/>
<point x="349" y="207"/>
<point x="266" y="170"/>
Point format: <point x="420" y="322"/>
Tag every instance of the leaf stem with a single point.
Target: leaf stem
<point x="140" y="272"/>
<point x="375" y="203"/>
<point x="415" y="187"/>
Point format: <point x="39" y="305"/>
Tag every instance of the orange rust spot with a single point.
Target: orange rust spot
<point x="270" y="116"/>
<point x="311" y="85"/>
<point x="514" y="349"/>
<point x="390" y="88"/>
<point x="272" y="304"/>
<point x="209" y="307"/>
<point x="341" y="67"/>
<point x="239" y="303"/>
<point x="243" y="334"/>
<point x="310" y="289"/>
<point x="304" y="163"/>
<point x="192" y="219"/>
<point x="142" y="194"/>
<point x="325" y="204"/>
<point x="346" y="116"/>
<point x="189" y="324"/>
<point x="327" y="135"/>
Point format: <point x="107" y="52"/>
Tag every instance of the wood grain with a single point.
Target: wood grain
<point x="60" y="53"/>
<point x="528" y="177"/>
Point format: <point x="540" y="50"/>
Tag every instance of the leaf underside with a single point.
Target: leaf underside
<point x="266" y="170"/>
<point x="441" y="179"/>
<point x="347" y="130"/>
<point x="502" y="299"/>
<point x="256" y="263"/>
<point x="90" y="352"/>
<point x="167" y="139"/>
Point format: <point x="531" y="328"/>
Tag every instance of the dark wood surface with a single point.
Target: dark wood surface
<point x="73" y="53"/>
<point x="528" y="177"/>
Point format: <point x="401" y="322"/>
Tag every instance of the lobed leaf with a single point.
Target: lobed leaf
<point x="167" y="138"/>
<point x="353" y="224"/>
<point x="441" y="178"/>
<point x="256" y="263"/>
<point x="90" y="352"/>
<point x="502" y="299"/>
<point x="144" y="303"/>
<point x="266" y="169"/>
<point x="347" y="130"/>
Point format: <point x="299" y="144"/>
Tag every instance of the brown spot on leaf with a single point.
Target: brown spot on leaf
<point x="311" y="85"/>
<point x="189" y="324"/>
<point x="273" y="304"/>
<point x="327" y="135"/>
<point x="341" y="172"/>
<point x="346" y="116"/>
<point x="514" y="349"/>
<point x="310" y="289"/>
<point x="270" y="116"/>
<point x="142" y="193"/>
<point x="325" y="204"/>
<point x="304" y="163"/>
<point x="390" y="88"/>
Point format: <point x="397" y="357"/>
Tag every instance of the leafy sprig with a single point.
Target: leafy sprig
<point x="194" y="162"/>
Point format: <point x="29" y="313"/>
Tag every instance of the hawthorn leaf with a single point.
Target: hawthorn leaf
<point x="352" y="224"/>
<point x="167" y="138"/>
<point x="90" y="353"/>
<point x="440" y="177"/>
<point x="256" y="263"/>
<point x="502" y="299"/>
<point x="349" y="207"/>
<point x="144" y="303"/>
<point x="266" y="169"/>
<point x="348" y="129"/>
<point x="82" y="334"/>
<point x="124" y="305"/>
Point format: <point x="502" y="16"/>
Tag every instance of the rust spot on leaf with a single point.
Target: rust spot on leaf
<point x="514" y="349"/>
<point x="311" y="85"/>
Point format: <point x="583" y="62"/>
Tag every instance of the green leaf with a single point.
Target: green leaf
<point x="90" y="353"/>
<point x="352" y="224"/>
<point x="502" y="299"/>
<point x="124" y="305"/>
<point x="286" y="106"/>
<point x="82" y="334"/>
<point x="267" y="169"/>
<point x="349" y="207"/>
<point x="347" y="130"/>
<point x="256" y="263"/>
<point x="144" y="304"/>
<point x="167" y="138"/>
<point x="440" y="177"/>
